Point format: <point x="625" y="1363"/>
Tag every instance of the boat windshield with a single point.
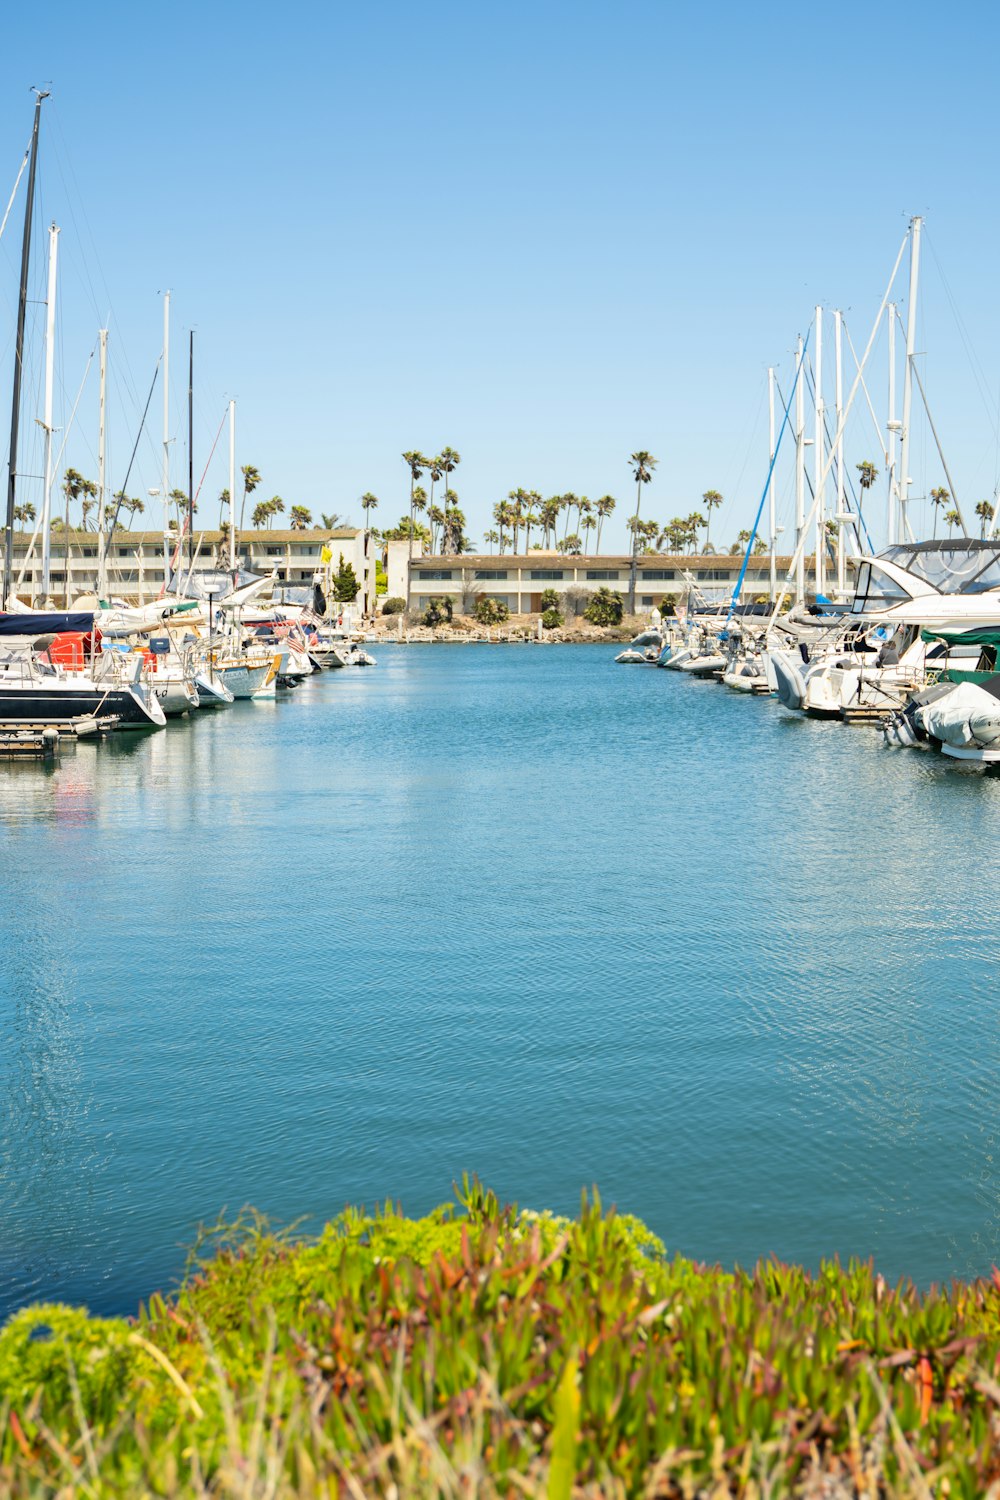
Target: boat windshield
<point x="962" y="566"/>
<point x="876" y="590"/>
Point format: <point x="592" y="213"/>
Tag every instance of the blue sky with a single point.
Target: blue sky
<point x="544" y="234"/>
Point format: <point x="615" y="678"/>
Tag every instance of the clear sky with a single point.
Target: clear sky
<point x="545" y="234"/>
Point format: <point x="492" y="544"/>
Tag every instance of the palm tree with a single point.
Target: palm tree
<point x="435" y="471"/>
<point x="436" y="517"/>
<point x="568" y="503"/>
<point x="643" y="463"/>
<point x="276" y="506"/>
<point x="300" y="517"/>
<point x="260" y="515"/>
<point x="604" y="507"/>
<point x="85" y="509"/>
<point x="984" y="510"/>
<point x="251" y="479"/>
<point x="179" y="499"/>
<point x="416" y="463"/>
<point x="548" y="514"/>
<point x="588" y="523"/>
<point x="369" y="502"/>
<point x="868" y="474"/>
<point x="449" y="533"/>
<point x="329" y="523"/>
<point x="449" y="461"/>
<point x="135" y="507"/>
<point x="491" y="537"/>
<point x="939" y="499"/>
<point x="712" y="499"/>
<point x="223" y="500"/>
<point x="695" y="522"/>
<point x="24" y="513"/>
<point x="952" y="519"/>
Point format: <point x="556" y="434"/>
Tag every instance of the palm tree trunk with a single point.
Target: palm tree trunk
<point x="635" y="539"/>
<point x="600" y="523"/>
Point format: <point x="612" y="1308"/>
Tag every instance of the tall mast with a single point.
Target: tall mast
<point x="773" y="592"/>
<point x="818" y="456"/>
<point x="22" y="303"/>
<point x="232" y="490"/>
<point x="102" y="543"/>
<point x="50" y="349"/>
<point x="166" y="439"/>
<point x="893" y="427"/>
<point x="800" y="480"/>
<point x="190" y="452"/>
<point x="911" y="349"/>
<point x="839" y="399"/>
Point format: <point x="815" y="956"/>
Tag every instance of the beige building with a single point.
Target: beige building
<point x="139" y="561"/>
<point x="519" y="580"/>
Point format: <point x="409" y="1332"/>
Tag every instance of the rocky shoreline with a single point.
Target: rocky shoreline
<point x="518" y="630"/>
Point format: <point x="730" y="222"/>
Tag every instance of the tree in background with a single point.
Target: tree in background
<point x="24" y="514"/>
<point x="605" y="608"/>
<point x="491" y="538"/>
<point x="603" y="507"/>
<point x="952" y="519"/>
<point x="939" y="499"/>
<point x="548" y="515"/>
<point x="369" y="502"/>
<point x="867" y="474"/>
<point x="642" y="463"/>
<point x="984" y="510"/>
<point x="449" y="461"/>
<point x="251" y="479"/>
<point x="550" y="599"/>
<point x="491" y="611"/>
<point x="345" y="581"/>
<point x="329" y="523"/>
<point x="300" y="517"/>
<point x="416" y="464"/>
<point x="711" y="500"/>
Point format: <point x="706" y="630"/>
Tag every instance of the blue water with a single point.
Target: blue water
<point x="509" y="910"/>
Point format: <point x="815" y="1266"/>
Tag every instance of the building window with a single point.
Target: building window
<point x="605" y="573"/>
<point x="546" y="573"/>
<point x="488" y="573"/>
<point x="647" y="599"/>
<point x="648" y="573"/>
<point x="275" y="551"/>
<point x="434" y="573"/>
<point x="306" y="551"/>
<point x="714" y="574"/>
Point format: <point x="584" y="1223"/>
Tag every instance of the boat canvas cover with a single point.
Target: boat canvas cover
<point x="32" y="625"/>
<point x="969" y="715"/>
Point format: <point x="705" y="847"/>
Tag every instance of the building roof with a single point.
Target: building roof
<point x="211" y="535"/>
<point x="555" y="560"/>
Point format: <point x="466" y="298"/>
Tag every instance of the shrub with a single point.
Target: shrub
<point x="550" y="599"/>
<point x="551" y="619"/>
<point x="605" y="608"/>
<point x="668" y="605"/>
<point x="345" y="583"/>
<point x="490" y="611"/>
<point x="575" y="599"/>
<point x="437" y="611"/>
<point x="394" y="605"/>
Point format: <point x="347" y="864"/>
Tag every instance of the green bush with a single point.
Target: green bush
<point x="394" y="605"/>
<point x="550" y="599"/>
<point x="345" y="582"/>
<point x="437" y="611"/>
<point x="543" y="1355"/>
<point x="490" y="611"/>
<point x="606" y="608"/>
<point x="551" y="619"/>
<point x="668" y="605"/>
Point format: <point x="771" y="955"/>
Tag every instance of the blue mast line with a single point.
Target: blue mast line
<point x="767" y="484"/>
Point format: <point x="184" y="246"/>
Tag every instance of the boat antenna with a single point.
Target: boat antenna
<point x="22" y="303"/>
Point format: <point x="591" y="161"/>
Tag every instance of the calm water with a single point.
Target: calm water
<point x="511" y="910"/>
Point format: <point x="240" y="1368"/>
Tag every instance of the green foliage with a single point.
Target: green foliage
<point x="606" y="608"/>
<point x="345" y="582"/>
<point x="381" y="579"/>
<point x="438" y="611"/>
<point x="551" y="619"/>
<point x="394" y="605"/>
<point x="550" y="599"/>
<point x="535" y="1354"/>
<point x="489" y="611"/>
<point x="668" y="605"/>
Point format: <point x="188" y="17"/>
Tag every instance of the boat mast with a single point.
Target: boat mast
<point x="50" y="347"/>
<point x="892" y="427"/>
<point x="102" y="544"/>
<point x="839" y="409"/>
<point x="800" y="480"/>
<point x="190" y="454"/>
<point x="770" y="486"/>
<point x="166" y="439"/>
<point x="232" y="490"/>
<point x="22" y="303"/>
<point x="818" y="484"/>
<point x="911" y="349"/>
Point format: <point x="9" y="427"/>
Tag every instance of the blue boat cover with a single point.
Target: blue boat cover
<point x="45" y="624"/>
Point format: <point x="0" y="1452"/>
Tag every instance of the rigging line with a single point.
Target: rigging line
<point x="55" y="468"/>
<point x="860" y="517"/>
<point x="121" y="493"/>
<point x="937" y="441"/>
<point x="864" y="387"/>
<point x="13" y="195"/>
<point x="201" y="481"/>
<point x="767" y="486"/>
<point x="979" y="374"/>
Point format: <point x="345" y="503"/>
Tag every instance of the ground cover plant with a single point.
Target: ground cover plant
<point x="486" y="1351"/>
